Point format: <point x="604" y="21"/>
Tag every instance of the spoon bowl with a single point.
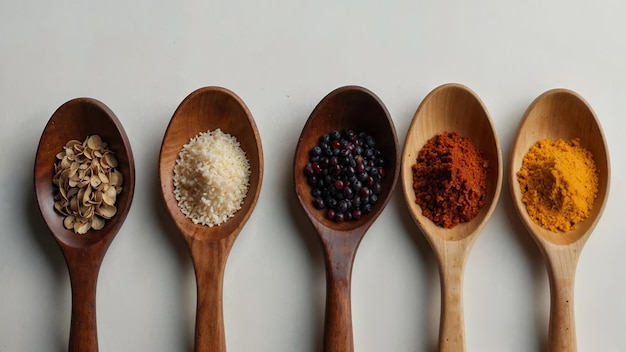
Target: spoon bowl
<point x="205" y="109"/>
<point x="348" y="107"/>
<point x="452" y="108"/>
<point x="77" y="119"/>
<point x="561" y="114"/>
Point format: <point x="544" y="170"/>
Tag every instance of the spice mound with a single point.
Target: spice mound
<point x="211" y="178"/>
<point x="559" y="183"/>
<point x="345" y="172"/>
<point x="88" y="184"/>
<point x="450" y="179"/>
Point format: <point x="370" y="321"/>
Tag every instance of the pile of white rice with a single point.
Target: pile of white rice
<point x="211" y="178"/>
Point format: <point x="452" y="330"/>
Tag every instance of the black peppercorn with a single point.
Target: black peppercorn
<point x="345" y="172"/>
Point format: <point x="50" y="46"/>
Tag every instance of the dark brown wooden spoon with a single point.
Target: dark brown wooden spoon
<point x="210" y="108"/>
<point x="77" y="119"/>
<point x="359" y="109"/>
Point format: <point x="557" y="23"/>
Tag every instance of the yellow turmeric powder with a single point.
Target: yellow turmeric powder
<point x="559" y="183"/>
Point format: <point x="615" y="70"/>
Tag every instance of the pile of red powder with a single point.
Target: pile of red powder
<point x="450" y="179"/>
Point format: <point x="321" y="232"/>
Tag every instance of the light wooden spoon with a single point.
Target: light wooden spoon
<point x="359" y="109"/>
<point x="210" y="108"/>
<point x="561" y="113"/>
<point x="453" y="108"/>
<point x="77" y="119"/>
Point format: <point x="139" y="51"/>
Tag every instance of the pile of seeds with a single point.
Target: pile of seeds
<point x="88" y="184"/>
<point x="211" y="178"/>
<point x="345" y="171"/>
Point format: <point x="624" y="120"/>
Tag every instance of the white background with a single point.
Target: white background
<point x="141" y="58"/>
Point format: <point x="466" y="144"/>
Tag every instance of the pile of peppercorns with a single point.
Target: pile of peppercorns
<point x="345" y="171"/>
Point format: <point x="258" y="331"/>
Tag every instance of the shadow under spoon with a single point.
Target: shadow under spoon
<point x="205" y="109"/>
<point x="77" y="119"/>
<point x="452" y="108"/>
<point x="561" y="114"/>
<point x="356" y="108"/>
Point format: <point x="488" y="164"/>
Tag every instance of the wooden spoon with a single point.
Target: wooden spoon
<point x="205" y="109"/>
<point x="452" y="108"/>
<point x="561" y="113"/>
<point x="77" y="119"/>
<point x="359" y="109"/>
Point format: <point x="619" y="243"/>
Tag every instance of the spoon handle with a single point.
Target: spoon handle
<point x="209" y="260"/>
<point x="83" y="279"/>
<point x="338" y="322"/>
<point x="562" y="329"/>
<point x="451" y="256"/>
<point x="452" y="326"/>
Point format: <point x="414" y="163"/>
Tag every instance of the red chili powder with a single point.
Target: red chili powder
<point x="450" y="179"/>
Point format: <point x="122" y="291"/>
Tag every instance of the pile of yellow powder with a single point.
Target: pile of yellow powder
<point x="559" y="183"/>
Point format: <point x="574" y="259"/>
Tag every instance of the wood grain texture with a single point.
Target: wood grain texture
<point x="77" y="119"/>
<point x="359" y="109"/>
<point x="453" y="108"/>
<point x="205" y="109"/>
<point x="561" y="113"/>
